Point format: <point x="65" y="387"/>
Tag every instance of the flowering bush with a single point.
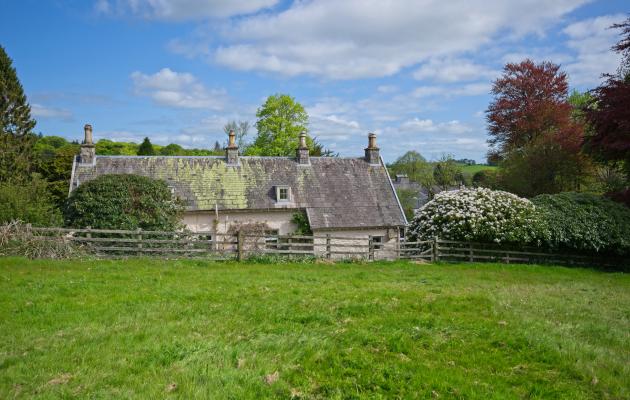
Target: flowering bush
<point x="479" y="214"/>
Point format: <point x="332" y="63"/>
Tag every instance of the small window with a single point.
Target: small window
<point x="282" y="194"/>
<point x="377" y="242"/>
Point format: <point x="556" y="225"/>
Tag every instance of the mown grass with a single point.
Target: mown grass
<point x="145" y="328"/>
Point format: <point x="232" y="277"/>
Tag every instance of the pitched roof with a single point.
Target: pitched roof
<point x="335" y="192"/>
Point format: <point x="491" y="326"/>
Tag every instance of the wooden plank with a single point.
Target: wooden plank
<point x="152" y="250"/>
<point x="271" y="251"/>
<point x="120" y="231"/>
<point x="155" y="241"/>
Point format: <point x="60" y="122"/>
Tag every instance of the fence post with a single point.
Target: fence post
<point x="239" y="246"/>
<point x="470" y="252"/>
<point x="328" y="255"/>
<point x="370" y="248"/>
<point x="435" y="255"/>
<point x="139" y="238"/>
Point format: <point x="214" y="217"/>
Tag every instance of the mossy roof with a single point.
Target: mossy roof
<point x="335" y="192"/>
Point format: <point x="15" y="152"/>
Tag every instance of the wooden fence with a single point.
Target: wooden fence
<point x="123" y="243"/>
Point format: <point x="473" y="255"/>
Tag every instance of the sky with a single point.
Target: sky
<point x="417" y="73"/>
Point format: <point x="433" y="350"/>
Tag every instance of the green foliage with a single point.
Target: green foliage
<point x="16" y="125"/>
<point x="107" y="147"/>
<point x="408" y="201"/>
<point x="146" y="148"/>
<point x="415" y="167"/>
<point x="584" y="222"/>
<point x="28" y="202"/>
<point x="281" y="119"/>
<point x="123" y="202"/>
<point x="543" y="166"/>
<point x="487" y="178"/>
<point x="447" y="173"/>
<point x="301" y="220"/>
<point x="131" y="328"/>
<point x="56" y="168"/>
<point x="172" y="150"/>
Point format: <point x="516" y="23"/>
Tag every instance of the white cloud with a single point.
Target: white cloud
<point x="41" y="111"/>
<point x="591" y="40"/>
<point x="387" y="88"/>
<point x="469" y="89"/>
<point x="427" y="125"/>
<point x="181" y="10"/>
<point x="362" y="38"/>
<point x="177" y="89"/>
<point x="453" y="70"/>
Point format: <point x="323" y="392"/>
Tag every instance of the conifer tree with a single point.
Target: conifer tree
<point x="16" y="125"/>
<point x="146" y="148"/>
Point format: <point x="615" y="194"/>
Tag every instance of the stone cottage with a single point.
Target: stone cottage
<point x="350" y="197"/>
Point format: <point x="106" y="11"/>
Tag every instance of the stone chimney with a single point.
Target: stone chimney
<point x="87" y="154"/>
<point x="231" y="151"/>
<point x="372" y="154"/>
<point x="302" y="151"/>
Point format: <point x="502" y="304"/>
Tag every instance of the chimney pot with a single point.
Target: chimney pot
<point x="87" y="130"/>
<point x="87" y="152"/>
<point x="302" y="151"/>
<point x="231" y="151"/>
<point x="232" y="140"/>
<point x="372" y="153"/>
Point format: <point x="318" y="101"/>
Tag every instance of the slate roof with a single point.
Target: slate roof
<point x="335" y="192"/>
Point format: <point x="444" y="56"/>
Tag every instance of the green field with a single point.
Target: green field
<point x="472" y="169"/>
<point x="148" y="329"/>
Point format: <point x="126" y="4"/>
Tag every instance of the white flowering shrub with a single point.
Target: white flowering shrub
<point x="479" y="215"/>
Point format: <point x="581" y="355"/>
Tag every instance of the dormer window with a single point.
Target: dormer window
<point x="283" y="194"/>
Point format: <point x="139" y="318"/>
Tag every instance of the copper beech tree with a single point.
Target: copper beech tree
<point x="608" y="115"/>
<point x="532" y="131"/>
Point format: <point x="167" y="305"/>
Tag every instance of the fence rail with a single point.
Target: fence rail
<point x="122" y="243"/>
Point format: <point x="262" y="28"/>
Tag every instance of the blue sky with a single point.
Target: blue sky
<point x="418" y="73"/>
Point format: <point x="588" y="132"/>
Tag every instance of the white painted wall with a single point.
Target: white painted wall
<point x="198" y="221"/>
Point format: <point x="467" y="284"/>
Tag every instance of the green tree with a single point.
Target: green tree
<point x="408" y="199"/>
<point x="123" y="202"/>
<point x="281" y="119"/>
<point x="172" y="150"/>
<point x="28" y="202"/>
<point x="146" y="148"/>
<point x="415" y="167"/>
<point x="447" y="173"/>
<point x="107" y="147"/>
<point x="16" y="125"/>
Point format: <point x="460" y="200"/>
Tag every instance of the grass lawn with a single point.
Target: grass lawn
<point x="145" y="328"/>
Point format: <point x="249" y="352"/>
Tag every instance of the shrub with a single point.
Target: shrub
<point x="585" y="222"/>
<point x="29" y="202"/>
<point x="478" y="214"/>
<point x="17" y="239"/>
<point x="123" y="202"/>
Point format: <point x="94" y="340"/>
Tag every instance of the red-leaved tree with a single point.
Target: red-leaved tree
<point x="608" y="113"/>
<point x="531" y="129"/>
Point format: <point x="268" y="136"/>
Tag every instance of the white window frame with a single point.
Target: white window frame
<point x="279" y="189"/>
